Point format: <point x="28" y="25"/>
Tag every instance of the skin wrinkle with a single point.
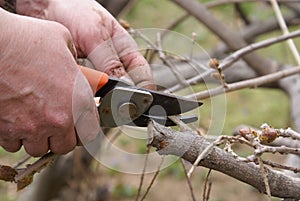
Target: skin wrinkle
<point x="16" y="118"/>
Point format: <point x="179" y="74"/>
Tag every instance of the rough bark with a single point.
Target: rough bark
<point x="188" y="145"/>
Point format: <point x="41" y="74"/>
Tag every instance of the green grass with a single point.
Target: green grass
<point x="248" y="106"/>
<point x="152" y="13"/>
<point x="175" y="171"/>
<point x="257" y="106"/>
<point x="124" y="191"/>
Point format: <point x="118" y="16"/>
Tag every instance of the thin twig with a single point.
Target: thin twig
<point x="252" y="159"/>
<point x="265" y="177"/>
<point x="281" y="150"/>
<point x="143" y="173"/>
<point x="164" y="59"/>
<point x="220" y="140"/>
<point x="136" y="33"/>
<point x="150" y="135"/>
<point x="153" y="179"/>
<point x="21" y="162"/>
<point x="207" y="187"/>
<point x="228" y="61"/>
<point x="281" y="185"/>
<point x="202" y="155"/>
<point x="255" y="46"/>
<point x="215" y="64"/>
<point x="183" y="127"/>
<point x="188" y="180"/>
<point x="223" y="2"/>
<point x="251" y="83"/>
<point x="25" y="175"/>
<point x="289" y="133"/>
<point x="285" y="30"/>
<point x="114" y="137"/>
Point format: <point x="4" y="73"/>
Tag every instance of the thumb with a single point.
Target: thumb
<point x="85" y="113"/>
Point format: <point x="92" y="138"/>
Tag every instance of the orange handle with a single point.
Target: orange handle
<point x="95" y="78"/>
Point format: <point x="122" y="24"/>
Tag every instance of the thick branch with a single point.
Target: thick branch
<point x="188" y="145"/>
<point x="259" y="28"/>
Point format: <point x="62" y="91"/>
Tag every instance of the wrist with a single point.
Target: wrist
<point x="33" y="8"/>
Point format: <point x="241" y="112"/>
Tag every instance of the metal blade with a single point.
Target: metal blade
<point x="167" y="104"/>
<point x="163" y="104"/>
<point x="123" y="105"/>
<point x="143" y="120"/>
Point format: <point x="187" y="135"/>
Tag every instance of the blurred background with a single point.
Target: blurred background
<point x="249" y="106"/>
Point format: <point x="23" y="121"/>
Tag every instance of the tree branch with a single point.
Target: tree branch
<point x="223" y="2"/>
<point x="252" y="83"/>
<point x="189" y="145"/>
<point x="227" y="62"/>
<point x="233" y="40"/>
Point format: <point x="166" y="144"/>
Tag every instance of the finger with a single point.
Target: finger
<point x="64" y="143"/>
<point x="84" y="110"/>
<point x="135" y="64"/>
<point x="105" y="58"/>
<point x="36" y="148"/>
<point x="11" y="146"/>
<point x="142" y="77"/>
<point x="72" y="48"/>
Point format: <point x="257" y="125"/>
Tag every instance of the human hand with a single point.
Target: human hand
<point x="97" y="35"/>
<point x="43" y="95"/>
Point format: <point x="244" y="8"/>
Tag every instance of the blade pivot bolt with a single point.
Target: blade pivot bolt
<point x="128" y="110"/>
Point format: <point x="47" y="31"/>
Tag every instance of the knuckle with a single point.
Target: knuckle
<point x="36" y="147"/>
<point x="60" y="121"/>
<point x="35" y="152"/>
<point x="62" y="30"/>
<point x="63" y="147"/>
<point x="63" y="143"/>
<point x="11" y="146"/>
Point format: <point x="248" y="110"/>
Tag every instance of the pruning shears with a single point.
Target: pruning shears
<point x="120" y="103"/>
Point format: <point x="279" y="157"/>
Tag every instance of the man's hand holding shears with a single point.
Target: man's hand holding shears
<point x="46" y="95"/>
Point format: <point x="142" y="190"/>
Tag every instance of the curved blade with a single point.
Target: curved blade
<point x="167" y="104"/>
<point x="163" y="104"/>
<point x="123" y="104"/>
<point x="143" y="120"/>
